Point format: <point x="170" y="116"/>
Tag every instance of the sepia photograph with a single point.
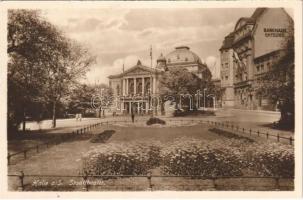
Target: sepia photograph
<point x="151" y="98"/>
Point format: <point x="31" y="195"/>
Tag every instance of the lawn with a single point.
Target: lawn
<point x="66" y="158"/>
<point x="164" y="134"/>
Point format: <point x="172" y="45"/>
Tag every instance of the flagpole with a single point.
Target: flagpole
<point x="151" y="56"/>
<point x="151" y="82"/>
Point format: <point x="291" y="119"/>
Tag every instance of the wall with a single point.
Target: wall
<point x="227" y="69"/>
<point x="271" y="29"/>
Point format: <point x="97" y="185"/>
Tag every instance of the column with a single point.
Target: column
<point x="127" y="86"/>
<point x="135" y="86"/>
<point x="123" y="87"/>
<point x="154" y="85"/>
<point x="122" y="106"/>
<point x="150" y="84"/>
<point x="146" y="107"/>
<point x="142" y="86"/>
<point x="130" y="107"/>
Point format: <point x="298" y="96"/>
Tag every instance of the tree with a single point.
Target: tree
<point x="70" y="63"/>
<point x="176" y="83"/>
<point x="103" y="98"/>
<point x="43" y="65"/>
<point x="28" y="39"/>
<point x="278" y="84"/>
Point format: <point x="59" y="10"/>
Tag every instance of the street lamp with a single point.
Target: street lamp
<point x="204" y="98"/>
<point x="101" y="98"/>
<point x="150" y="102"/>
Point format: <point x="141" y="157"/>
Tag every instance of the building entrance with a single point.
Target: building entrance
<point x="138" y="108"/>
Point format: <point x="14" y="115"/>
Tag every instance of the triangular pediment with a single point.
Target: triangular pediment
<point x="137" y="70"/>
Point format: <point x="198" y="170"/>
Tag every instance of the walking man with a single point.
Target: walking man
<point x="133" y="115"/>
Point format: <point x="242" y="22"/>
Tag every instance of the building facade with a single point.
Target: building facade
<point x="136" y="89"/>
<point x="248" y="53"/>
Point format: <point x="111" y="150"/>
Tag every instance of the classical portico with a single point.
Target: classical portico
<point x="135" y="88"/>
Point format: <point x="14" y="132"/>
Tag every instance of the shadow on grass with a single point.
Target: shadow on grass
<point x="277" y="126"/>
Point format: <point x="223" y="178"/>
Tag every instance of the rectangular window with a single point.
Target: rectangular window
<point x="226" y="77"/>
<point x="262" y="67"/>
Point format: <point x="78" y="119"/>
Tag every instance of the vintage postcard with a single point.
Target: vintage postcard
<point x="150" y="99"/>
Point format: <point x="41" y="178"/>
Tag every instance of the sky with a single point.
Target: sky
<point x="117" y="36"/>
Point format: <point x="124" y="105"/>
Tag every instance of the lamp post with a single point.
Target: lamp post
<point x="101" y="101"/>
<point x="150" y="103"/>
<point x="148" y="107"/>
<point x="204" y="98"/>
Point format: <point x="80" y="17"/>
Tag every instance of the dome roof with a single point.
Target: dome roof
<point x="182" y="54"/>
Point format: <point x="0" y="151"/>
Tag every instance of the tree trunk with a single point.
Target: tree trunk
<point x="23" y="120"/>
<point x="100" y="115"/>
<point x="54" y="115"/>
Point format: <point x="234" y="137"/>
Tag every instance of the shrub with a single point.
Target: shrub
<point x="154" y="120"/>
<point x="102" y="137"/>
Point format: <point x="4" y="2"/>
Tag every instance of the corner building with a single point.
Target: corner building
<point x="248" y="52"/>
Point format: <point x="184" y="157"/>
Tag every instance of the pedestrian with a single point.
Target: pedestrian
<point x="76" y="117"/>
<point x="133" y="115"/>
<point x="80" y="117"/>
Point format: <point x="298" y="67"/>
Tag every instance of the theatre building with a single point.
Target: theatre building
<point x="248" y="53"/>
<point x="137" y="88"/>
<point x="134" y="88"/>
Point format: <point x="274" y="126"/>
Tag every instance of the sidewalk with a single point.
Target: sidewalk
<point x="252" y="111"/>
<point x="60" y="124"/>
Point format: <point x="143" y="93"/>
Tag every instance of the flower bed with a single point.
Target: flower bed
<point x="229" y="134"/>
<point x="102" y="137"/>
<point x="180" y="113"/>
<point x="122" y="159"/>
<point x="185" y="156"/>
<point x="228" y="157"/>
<point x="271" y="159"/>
<point x="201" y="158"/>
